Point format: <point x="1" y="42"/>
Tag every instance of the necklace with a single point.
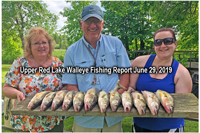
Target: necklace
<point x="41" y="64"/>
<point x="95" y="62"/>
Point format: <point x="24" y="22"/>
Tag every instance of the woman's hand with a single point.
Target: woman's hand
<point x="20" y="96"/>
<point x="12" y="93"/>
<point x="131" y="89"/>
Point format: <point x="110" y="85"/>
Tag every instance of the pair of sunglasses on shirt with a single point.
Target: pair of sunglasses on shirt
<point x="167" y="41"/>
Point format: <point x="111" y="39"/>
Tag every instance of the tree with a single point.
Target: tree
<point x="182" y="16"/>
<point x="73" y="14"/>
<point x="19" y="16"/>
<point x="129" y="20"/>
<point x="10" y="47"/>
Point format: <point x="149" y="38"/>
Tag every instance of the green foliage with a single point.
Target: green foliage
<point x="11" y="50"/>
<point x="135" y="22"/>
<point x="191" y="126"/>
<point x="19" y="16"/>
<point x="73" y="14"/>
<point x="59" y="53"/>
<point x="182" y="16"/>
<point x="130" y="21"/>
<point x="127" y="123"/>
<point x="5" y="68"/>
<point x="60" y="41"/>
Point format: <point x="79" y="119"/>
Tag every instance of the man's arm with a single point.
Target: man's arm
<point x="124" y="81"/>
<point x="70" y="87"/>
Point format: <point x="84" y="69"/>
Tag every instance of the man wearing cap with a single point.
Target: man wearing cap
<point x="95" y="50"/>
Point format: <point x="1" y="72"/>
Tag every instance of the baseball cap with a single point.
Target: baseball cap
<point x="91" y="11"/>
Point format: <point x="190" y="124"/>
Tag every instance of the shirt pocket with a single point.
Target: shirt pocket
<point x="109" y="60"/>
<point x="84" y="80"/>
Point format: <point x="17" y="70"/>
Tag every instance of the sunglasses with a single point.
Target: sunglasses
<point x="167" y="41"/>
<point x="90" y="21"/>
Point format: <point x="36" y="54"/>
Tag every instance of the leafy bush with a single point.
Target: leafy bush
<point x="11" y="51"/>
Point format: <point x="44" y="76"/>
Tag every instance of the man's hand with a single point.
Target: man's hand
<point x="121" y="90"/>
<point x="72" y="87"/>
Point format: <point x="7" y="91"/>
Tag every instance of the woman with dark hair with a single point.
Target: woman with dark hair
<point x="177" y="81"/>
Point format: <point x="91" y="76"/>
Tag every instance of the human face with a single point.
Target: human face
<point x="91" y="29"/>
<point x="164" y="51"/>
<point x="40" y="47"/>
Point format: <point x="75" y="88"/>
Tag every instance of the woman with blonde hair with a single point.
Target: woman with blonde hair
<point x="38" y="51"/>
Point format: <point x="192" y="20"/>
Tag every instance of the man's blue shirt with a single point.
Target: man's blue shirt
<point x="111" y="53"/>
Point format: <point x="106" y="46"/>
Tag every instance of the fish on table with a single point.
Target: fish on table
<point x="115" y="98"/>
<point x="46" y="102"/>
<point x="68" y="100"/>
<point x="37" y="99"/>
<point x="152" y="101"/>
<point x="103" y="101"/>
<point x="58" y="99"/>
<point x="127" y="101"/>
<point x="139" y="102"/>
<point x="91" y="98"/>
<point x="166" y="100"/>
<point x="78" y="101"/>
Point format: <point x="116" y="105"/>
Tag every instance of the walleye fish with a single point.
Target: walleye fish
<point x="139" y="102"/>
<point x="37" y="99"/>
<point x="46" y="102"/>
<point x="68" y="100"/>
<point x="166" y="100"/>
<point x="78" y="101"/>
<point x="152" y="102"/>
<point x="90" y="98"/>
<point x="58" y="99"/>
<point x="115" y="98"/>
<point x="103" y="101"/>
<point x="127" y="101"/>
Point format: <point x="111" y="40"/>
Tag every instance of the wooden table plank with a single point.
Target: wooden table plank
<point x="186" y="106"/>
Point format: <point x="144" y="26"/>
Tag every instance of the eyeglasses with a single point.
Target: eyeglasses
<point x="167" y="41"/>
<point x="37" y="43"/>
<point x="90" y="21"/>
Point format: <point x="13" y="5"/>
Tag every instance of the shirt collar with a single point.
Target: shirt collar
<point x="88" y="45"/>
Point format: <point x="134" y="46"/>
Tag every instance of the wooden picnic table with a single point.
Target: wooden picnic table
<point x="186" y="106"/>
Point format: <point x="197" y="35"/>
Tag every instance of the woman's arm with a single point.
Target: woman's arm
<point x="183" y="80"/>
<point x="12" y="93"/>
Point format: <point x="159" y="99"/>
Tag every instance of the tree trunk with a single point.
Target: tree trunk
<point x="141" y="44"/>
<point x="136" y="47"/>
<point x="22" y="39"/>
<point x="127" y="46"/>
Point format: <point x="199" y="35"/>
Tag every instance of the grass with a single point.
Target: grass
<point x="59" y="53"/>
<point x="190" y="126"/>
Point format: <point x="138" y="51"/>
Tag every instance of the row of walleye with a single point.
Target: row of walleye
<point x="93" y="96"/>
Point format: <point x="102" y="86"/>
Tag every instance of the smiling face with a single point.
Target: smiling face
<point x="92" y="32"/>
<point x="40" y="47"/>
<point x="164" y="51"/>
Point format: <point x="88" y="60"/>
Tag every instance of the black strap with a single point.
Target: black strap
<point x="91" y="53"/>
